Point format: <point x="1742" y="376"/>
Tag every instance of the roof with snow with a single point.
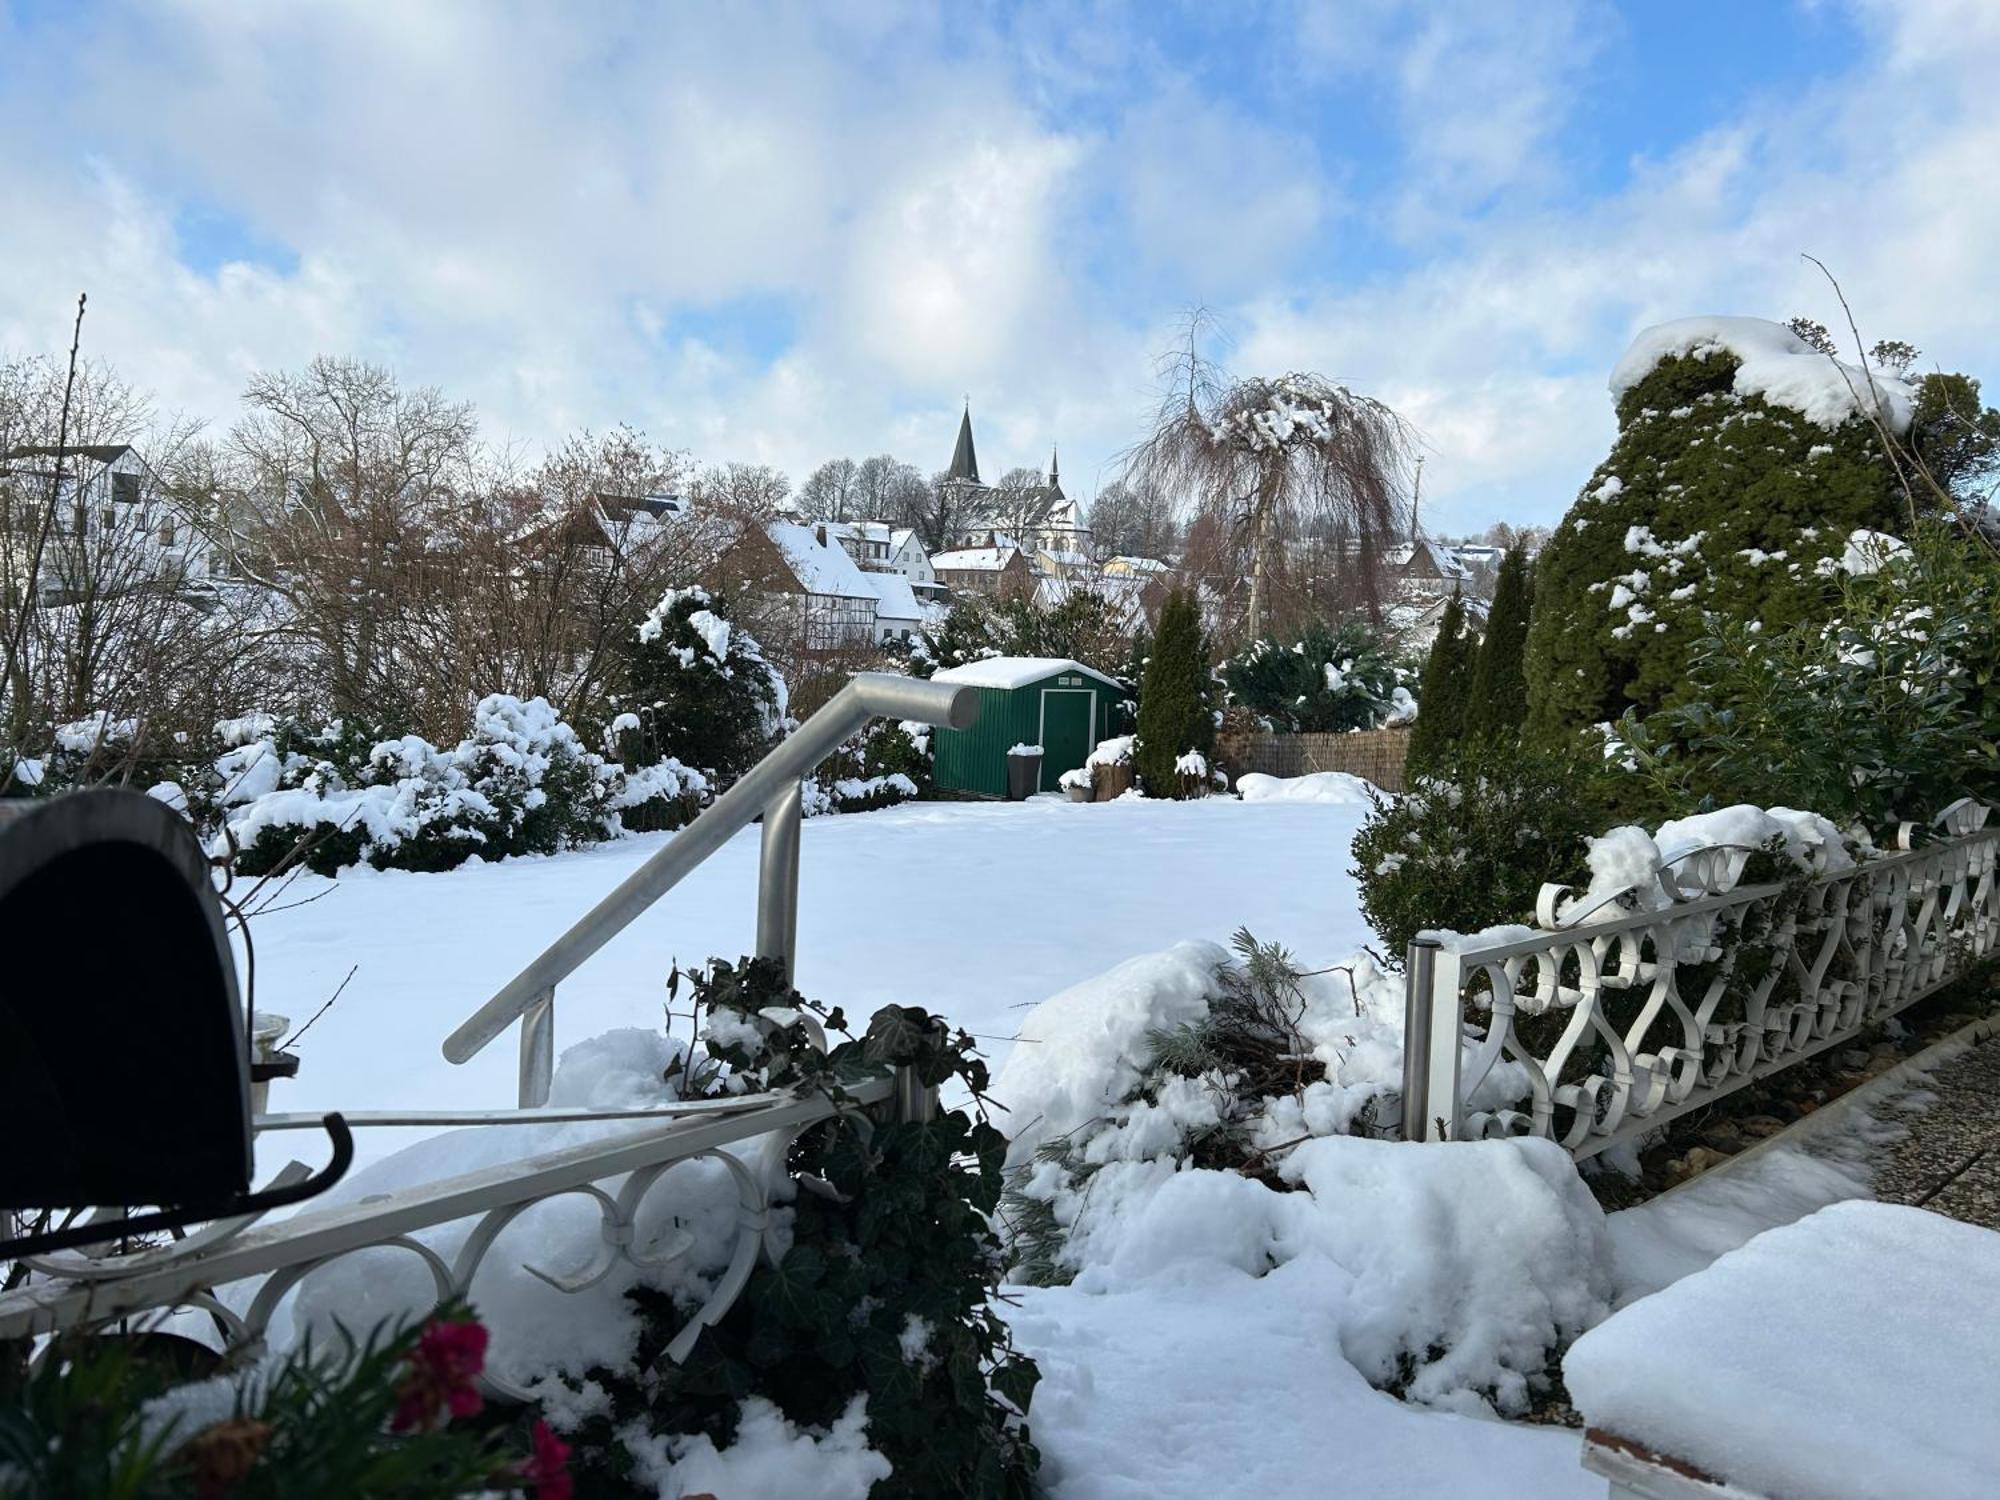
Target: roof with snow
<point x="1139" y="564"/>
<point x="1016" y="671"/>
<point x="1775" y="363"/>
<point x="821" y="567"/>
<point x="970" y="559"/>
<point x="894" y="599"/>
<point x="1427" y="559"/>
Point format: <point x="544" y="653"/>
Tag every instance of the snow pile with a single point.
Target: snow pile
<point x="1103" y="1140"/>
<point x="1775" y="363"/>
<point x="769" y="1456"/>
<point x="1402" y="707"/>
<point x="1741" y="1371"/>
<point x="1024" y="749"/>
<point x="1317" y="786"/>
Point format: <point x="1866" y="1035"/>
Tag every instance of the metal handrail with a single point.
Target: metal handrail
<point x="770" y="789"/>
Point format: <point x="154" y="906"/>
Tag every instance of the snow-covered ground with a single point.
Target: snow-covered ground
<point x="1219" y="1352"/>
<point x="975" y="910"/>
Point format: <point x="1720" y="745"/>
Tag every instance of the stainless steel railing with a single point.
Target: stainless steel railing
<point x="770" y="789"/>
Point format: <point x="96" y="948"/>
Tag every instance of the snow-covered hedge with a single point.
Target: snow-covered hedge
<point x="521" y="783"/>
<point x="1197" y="1113"/>
<point x="881" y="766"/>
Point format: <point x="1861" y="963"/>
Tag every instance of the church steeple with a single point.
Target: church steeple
<point x="964" y="462"/>
<point x="1055" y="477"/>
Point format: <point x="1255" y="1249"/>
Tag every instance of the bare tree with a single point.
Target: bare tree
<point x="832" y="492"/>
<point x="751" y="489"/>
<point x="887" y="489"/>
<point x="344" y="489"/>
<point x="1290" y="457"/>
<point x="106" y="612"/>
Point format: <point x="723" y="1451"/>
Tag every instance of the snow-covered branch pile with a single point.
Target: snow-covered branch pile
<point x="1197" y="1113"/>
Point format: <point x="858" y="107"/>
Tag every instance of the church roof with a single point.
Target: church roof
<point x="964" y="462"/>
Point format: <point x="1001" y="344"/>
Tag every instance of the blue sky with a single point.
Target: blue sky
<point x="782" y="233"/>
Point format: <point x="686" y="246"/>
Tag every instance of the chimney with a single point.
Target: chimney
<point x="819" y="532"/>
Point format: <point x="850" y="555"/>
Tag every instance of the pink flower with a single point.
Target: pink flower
<point x="442" y="1371"/>
<point x="547" y="1469"/>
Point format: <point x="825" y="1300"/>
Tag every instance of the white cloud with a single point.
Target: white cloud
<point x="525" y="205"/>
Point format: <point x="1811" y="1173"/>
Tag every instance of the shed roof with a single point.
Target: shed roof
<point x="1017" y="671"/>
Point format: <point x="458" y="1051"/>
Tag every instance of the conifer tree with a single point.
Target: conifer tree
<point x="1499" y="699"/>
<point x="698" y="689"/>
<point x="1174" y="712"/>
<point x="1443" y="690"/>
<point x="1745" y="457"/>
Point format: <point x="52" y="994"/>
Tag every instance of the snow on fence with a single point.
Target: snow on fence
<point x="1619" y="1013"/>
<point x="1377" y="754"/>
<point x="75" y="1288"/>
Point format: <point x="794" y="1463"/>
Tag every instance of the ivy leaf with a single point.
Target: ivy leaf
<point x="1016" y="1379"/>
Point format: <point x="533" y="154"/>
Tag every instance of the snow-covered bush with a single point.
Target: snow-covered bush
<point x="1471" y="843"/>
<point x="1195" y="1113"/>
<point x="1332" y="679"/>
<point x="1744" y="458"/>
<point x="882" y="765"/>
<point x="697" y="690"/>
<point x="1887" y="710"/>
<point x="520" y="783"/>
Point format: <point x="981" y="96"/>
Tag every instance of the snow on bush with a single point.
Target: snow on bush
<point x="1775" y="363"/>
<point x="1631" y="869"/>
<point x="1329" y="681"/>
<point x="1195" y="1107"/>
<point x="698" y="689"/>
<point x="522" y="782"/>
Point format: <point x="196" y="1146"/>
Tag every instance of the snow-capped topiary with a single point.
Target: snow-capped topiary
<point x="1744" y="459"/>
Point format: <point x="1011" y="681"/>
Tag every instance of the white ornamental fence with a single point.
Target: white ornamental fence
<point x="1606" y="1021"/>
<point x="267" y="1260"/>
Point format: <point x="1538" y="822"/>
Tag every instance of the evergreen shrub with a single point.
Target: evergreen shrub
<point x="1473" y="840"/>
<point x="1175" y="713"/>
<point x="1710" y="503"/>
<point x="1445" y="689"/>
<point x="1332" y="680"/>
<point x="701" y="688"/>
<point x="885" y="1288"/>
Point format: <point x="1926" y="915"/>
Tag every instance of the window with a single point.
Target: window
<point x="125" y="488"/>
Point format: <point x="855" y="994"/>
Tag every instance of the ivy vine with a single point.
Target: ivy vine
<point x="887" y="1289"/>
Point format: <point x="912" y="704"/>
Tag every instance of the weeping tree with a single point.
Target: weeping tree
<point x="1292" y="458"/>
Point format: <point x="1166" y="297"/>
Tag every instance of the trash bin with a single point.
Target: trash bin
<point x="1024" y="772"/>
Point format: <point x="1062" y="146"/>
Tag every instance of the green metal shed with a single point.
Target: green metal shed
<point x="1059" y="704"/>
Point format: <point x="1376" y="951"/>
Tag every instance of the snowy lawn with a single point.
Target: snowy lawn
<point x="1217" y="1345"/>
<point x="975" y="910"/>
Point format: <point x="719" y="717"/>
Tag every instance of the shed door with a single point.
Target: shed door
<point x="1067" y="721"/>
